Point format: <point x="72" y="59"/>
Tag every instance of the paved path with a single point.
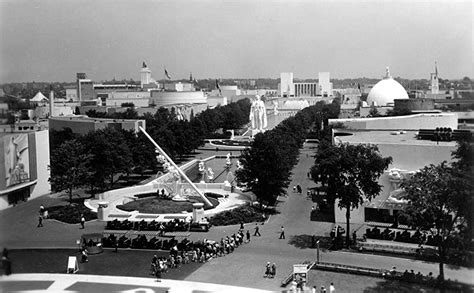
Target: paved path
<point x="245" y="266"/>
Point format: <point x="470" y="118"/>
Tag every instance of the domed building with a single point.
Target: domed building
<point x="386" y="91"/>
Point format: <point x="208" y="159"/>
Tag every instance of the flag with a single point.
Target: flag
<point x="167" y="74"/>
<point x="218" y="87"/>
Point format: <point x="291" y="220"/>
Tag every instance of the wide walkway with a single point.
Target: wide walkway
<point x="247" y="264"/>
<point x="244" y="267"/>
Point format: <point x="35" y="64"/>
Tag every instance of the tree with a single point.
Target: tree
<point x="440" y="200"/>
<point x="263" y="172"/>
<point x="350" y="173"/>
<point x="110" y="156"/>
<point x="69" y="166"/>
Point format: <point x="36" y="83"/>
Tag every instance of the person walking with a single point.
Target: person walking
<point x="268" y="269"/>
<point x="40" y="221"/>
<point x="84" y="257"/>
<point x="282" y="233"/>
<point x="248" y="236"/>
<point x="83" y="221"/>
<point x="257" y="232"/>
<point x="273" y="270"/>
<point x="331" y="288"/>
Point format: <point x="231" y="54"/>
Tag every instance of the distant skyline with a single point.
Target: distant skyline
<point x="51" y="40"/>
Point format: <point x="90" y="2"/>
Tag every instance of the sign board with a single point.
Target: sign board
<point x="300" y="273"/>
<point x="72" y="265"/>
<point x="300" y="269"/>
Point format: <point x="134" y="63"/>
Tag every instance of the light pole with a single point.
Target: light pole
<point x="317" y="251"/>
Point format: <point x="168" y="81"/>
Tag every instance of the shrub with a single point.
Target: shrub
<point x="71" y="214"/>
<point x="245" y="214"/>
<point x="213" y="195"/>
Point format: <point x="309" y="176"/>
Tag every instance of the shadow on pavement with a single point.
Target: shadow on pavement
<point x="306" y="241"/>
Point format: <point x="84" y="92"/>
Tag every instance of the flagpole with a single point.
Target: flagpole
<point x="164" y="78"/>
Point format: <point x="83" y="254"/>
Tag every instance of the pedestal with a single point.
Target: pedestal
<point x="198" y="212"/>
<point x="102" y="211"/>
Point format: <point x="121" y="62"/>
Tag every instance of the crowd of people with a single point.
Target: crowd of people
<point x="403" y="236"/>
<point x="186" y="251"/>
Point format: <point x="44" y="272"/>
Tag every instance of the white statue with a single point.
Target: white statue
<point x="227" y="160"/>
<point x="210" y="173"/>
<point x="201" y="167"/>
<point x="239" y="165"/>
<point x="275" y="108"/>
<point x="258" y="114"/>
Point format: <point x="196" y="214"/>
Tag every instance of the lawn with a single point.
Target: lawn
<point x="154" y="205"/>
<point x="107" y="263"/>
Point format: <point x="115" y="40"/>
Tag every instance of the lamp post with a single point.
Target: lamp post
<point x="317" y="251"/>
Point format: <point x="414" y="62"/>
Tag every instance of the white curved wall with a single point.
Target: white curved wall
<point x="160" y="98"/>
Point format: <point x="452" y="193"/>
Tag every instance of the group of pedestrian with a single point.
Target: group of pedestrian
<point x="297" y="189"/>
<point x="270" y="270"/>
<point x="247" y="234"/>
<point x="332" y="289"/>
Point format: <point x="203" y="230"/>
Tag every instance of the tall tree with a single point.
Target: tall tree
<point x="350" y="173"/>
<point x="69" y="166"/>
<point x="440" y="199"/>
<point x="263" y="172"/>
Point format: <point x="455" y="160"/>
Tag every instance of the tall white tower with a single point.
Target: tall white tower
<point x="435" y="81"/>
<point x="325" y="84"/>
<point x="145" y="75"/>
<point x="287" y="88"/>
<point x="51" y="101"/>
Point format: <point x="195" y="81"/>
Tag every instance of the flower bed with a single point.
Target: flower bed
<point x="154" y="205"/>
<point x="229" y="142"/>
<point x="213" y="195"/>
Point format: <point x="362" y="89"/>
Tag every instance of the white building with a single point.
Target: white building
<point x="25" y="166"/>
<point x="288" y="88"/>
<point x="325" y="85"/>
<point x="145" y="75"/>
<point x="384" y="92"/>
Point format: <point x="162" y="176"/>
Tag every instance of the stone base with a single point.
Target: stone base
<point x="256" y="131"/>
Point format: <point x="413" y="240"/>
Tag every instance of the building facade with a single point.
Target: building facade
<point x="24" y="159"/>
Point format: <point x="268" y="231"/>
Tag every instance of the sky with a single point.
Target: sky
<point x="51" y="40"/>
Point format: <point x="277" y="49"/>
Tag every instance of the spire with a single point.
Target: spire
<point x="144" y="65"/>
<point x="436" y="69"/>
<point x="387" y="73"/>
<point x="191" y="76"/>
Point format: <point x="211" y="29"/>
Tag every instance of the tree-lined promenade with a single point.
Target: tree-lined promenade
<point x="267" y="164"/>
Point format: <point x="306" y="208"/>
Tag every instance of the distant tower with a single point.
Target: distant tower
<point x="191" y="77"/>
<point x="51" y="101"/>
<point x="145" y="75"/>
<point x="435" y="81"/>
<point x="286" y="86"/>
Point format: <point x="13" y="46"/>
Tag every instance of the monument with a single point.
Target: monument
<point x="258" y="115"/>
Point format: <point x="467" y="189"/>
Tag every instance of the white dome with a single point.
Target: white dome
<point x="386" y="91"/>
